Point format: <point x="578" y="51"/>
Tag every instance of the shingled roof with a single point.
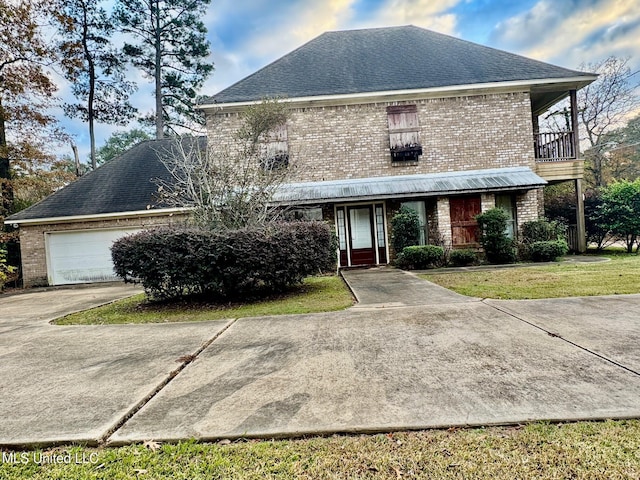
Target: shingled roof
<point x="127" y="183"/>
<point x="385" y="59"/>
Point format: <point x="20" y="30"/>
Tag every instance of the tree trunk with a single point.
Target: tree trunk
<point x="92" y="87"/>
<point x="6" y="190"/>
<point x="158" y="71"/>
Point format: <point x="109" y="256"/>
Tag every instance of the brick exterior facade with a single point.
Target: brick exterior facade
<point x="352" y="141"/>
<point x="33" y="249"/>
<point x="325" y="143"/>
<point x="456" y="133"/>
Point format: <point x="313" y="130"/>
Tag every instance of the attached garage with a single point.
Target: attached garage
<point x="81" y="256"/>
<point x="66" y="238"/>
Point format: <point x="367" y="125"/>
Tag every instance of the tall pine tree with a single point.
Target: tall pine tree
<point x="95" y="69"/>
<point x="172" y="49"/>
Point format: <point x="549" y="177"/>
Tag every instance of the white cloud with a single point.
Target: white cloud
<point x="570" y="33"/>
<point x="431" y="14"/>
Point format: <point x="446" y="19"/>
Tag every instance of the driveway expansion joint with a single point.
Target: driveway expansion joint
<point x="185" y="360"/>
<point x="560" y="337"/>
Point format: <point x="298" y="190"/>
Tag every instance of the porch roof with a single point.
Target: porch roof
<point x="421" y="185"/>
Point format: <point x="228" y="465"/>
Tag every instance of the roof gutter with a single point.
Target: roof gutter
<point x="99" y="216"/>
<point x="390" y="95"/>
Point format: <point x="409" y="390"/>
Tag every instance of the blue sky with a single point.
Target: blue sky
<point x="246" y="35"/>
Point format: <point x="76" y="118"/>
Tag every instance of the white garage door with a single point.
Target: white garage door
<point x="82" y="256"/>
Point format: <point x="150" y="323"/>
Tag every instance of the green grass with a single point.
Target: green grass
<point x="584" y="450"/>
<point x="316" y="294"/>
<point x="619" y="276"/>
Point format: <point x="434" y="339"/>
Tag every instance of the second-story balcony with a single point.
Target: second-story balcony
<point x="557" y="154"/>
<point x="554" y="146"/>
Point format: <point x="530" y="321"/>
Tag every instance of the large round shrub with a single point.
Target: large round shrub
<point x="228" y="264"/>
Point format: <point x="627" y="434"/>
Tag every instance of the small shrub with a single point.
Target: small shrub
<point x="229" y="264"/>
<point x="498" y="247"/>
<point x="537" y="231"/>
<point x="405" y="228"/>
<point x="463" y="257"/>
<point x="420" y="257"/>
<point x="548" y="251"/>
<point x="542" y="231"/>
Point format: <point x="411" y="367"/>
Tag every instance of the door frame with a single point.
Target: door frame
<point x="374" y="230"/>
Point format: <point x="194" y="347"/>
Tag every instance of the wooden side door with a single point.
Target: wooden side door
<point x="464" y="227"/>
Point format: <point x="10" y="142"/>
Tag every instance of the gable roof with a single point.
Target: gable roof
<point x="128" y="183"/>
<point x="386" y="59"/>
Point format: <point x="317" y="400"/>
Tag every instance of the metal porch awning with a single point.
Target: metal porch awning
<point x="405" y="186"/>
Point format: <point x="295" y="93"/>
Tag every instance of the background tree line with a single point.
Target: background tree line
<point x="91" y="46"/>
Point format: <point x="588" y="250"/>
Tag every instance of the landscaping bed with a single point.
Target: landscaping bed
<point x="316" y="294"/>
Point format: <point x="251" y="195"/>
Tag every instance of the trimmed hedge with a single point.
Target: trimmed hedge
<point x="548" y="251"/>
<point x="420" y="257"/>
<point x="463" y="257"/>
<point x="229" y="264"/>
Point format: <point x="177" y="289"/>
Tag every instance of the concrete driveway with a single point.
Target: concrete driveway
<point x="418" y="359"/>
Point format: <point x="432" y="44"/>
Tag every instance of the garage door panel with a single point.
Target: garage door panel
<point x="82" y="256"/>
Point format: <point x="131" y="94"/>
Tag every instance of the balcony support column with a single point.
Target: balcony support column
<point x="580" y="220"/>
<point x="573" y="99"/>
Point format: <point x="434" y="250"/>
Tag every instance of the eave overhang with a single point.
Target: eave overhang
<point x="409" y="186"/>
<point x="99" y="216"/>
<point x="553" y="84"/>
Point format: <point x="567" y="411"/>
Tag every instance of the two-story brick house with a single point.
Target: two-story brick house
<point x="390" y="116"/>
<point x="378" y="118"/>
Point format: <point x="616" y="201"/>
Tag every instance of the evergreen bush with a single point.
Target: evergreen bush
<point x="229" y="264"/>
<point x="498" y="247"/>
<point x="405" y="228"/>
<point x="548" y="251"/>
<point x="463" y="257"/>
<point x="420" y="257"/>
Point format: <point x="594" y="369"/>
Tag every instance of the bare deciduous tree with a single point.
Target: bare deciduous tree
<point x="603" y="106"/>
<point x="230" y="185"/>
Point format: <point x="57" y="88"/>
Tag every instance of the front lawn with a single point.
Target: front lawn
<point x="619" y="276"/>
<point x="584" y="450"/>
<point x="316" y="294"/>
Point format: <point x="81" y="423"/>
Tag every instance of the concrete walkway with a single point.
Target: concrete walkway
<point x="390" y="287"/>
<point x="403" y="361"/>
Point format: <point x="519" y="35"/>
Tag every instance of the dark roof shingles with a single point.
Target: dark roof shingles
<point x="384" y="59"/>
<point x="127" y="183"/>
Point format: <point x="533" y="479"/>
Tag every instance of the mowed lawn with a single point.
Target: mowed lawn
<point x="584" y="450"/>
<point x="316" y="294"/>
<point x="616" y="277"/>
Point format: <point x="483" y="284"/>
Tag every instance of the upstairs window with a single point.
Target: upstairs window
<point x="274" y="148"/>
<point x="404" y="140"/>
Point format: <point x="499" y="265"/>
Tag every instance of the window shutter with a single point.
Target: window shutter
<point x="404" y="140"/>
<point x="275" y="148"/>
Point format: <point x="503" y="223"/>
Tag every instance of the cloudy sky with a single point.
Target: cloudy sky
<point x="246" y="35"/>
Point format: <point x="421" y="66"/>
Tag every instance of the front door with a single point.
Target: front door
<point x="360" y="222"/>
<point x="362" y="234"/>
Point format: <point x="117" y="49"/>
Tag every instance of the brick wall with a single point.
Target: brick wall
<point x="528" y="207"/>
<point x="456" y="133"/>
<point x="32" y="241"/>
<point x="487" y="201"/>
<point x="444" y="221"/>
